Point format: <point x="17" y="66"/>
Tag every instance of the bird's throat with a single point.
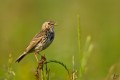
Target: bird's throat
<point x="51" y="30"/>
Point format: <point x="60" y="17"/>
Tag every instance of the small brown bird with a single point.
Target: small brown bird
<point x="40" y="41"/>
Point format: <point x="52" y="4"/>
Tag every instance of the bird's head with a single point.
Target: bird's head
<point x="48" y="25"/>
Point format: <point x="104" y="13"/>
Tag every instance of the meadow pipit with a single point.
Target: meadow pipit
<point x="40" y="41"/>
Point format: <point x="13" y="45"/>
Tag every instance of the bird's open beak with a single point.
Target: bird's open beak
<point x="55" y="24"/>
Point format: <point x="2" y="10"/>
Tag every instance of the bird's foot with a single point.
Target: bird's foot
<point x="36" y="57"/>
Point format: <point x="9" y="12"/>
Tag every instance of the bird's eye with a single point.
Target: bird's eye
<point x="49" y="23"/>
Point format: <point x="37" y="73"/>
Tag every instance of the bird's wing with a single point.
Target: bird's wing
<point x="36" y="39"/>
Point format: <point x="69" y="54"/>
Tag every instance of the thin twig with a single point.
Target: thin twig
<point x="54" y="61"/>
<point x="40" y="67"/>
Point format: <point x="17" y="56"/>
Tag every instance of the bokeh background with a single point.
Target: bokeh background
<point x="20" y="20"/>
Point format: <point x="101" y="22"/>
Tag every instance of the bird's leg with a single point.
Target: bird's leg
<point x="39" y="54"/>
<point x="42" y="56"/>
<point x="36" y="56"/>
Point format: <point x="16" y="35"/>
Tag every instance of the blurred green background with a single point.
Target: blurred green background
<point x="20" y="20"/>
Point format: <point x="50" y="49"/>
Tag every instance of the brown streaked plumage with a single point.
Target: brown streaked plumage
<point x="40" y="41"/>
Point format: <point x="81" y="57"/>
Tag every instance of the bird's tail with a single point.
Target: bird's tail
<point x="20" y="57"/>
